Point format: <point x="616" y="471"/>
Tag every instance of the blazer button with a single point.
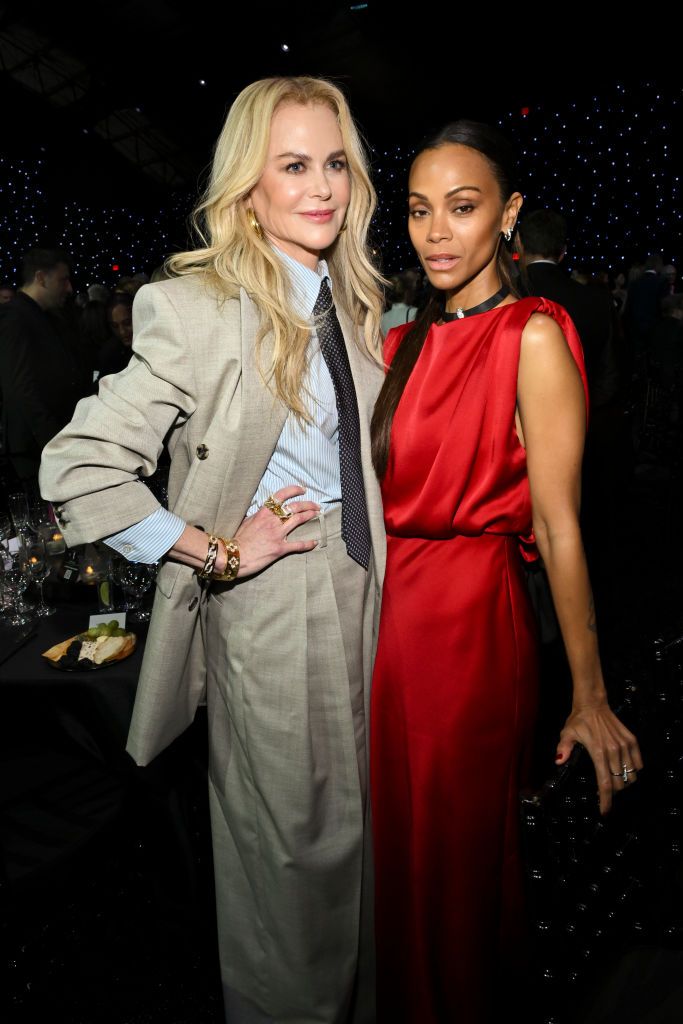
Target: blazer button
<point x="193" y="604"/>
<point x="202" y="451"/>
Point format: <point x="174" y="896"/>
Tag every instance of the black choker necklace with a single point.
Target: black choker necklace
<point x="481" y="308"/>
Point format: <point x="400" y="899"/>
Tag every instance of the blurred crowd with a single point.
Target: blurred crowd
<point x="630" y="320"/>
<point x="56" y="344"/>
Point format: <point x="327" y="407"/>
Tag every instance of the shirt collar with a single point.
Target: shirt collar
<point x="305" y="282"/>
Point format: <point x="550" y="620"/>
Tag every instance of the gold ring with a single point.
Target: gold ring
<point x="274" y="505"/>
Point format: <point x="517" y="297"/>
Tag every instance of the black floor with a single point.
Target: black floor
<point x="112" y="918"/>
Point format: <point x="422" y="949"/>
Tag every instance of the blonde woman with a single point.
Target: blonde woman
<point x="268" y="595"/>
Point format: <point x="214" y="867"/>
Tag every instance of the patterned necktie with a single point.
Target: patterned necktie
<point x="355" y="528"/>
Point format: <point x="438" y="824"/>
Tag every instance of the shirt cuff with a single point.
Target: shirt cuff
<point x="149" y="539"/>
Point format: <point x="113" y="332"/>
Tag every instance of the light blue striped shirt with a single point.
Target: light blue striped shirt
<point x="307" y="455"/>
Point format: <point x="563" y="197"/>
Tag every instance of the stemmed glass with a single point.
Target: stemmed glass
<point x="18" y="509"/>
<point x="15" y="580"/>
<point x="6" y="531"/>
<point x="42" y="523"/>
<point x="37" y="568"/>
<point x="134" y="578"/>
<point x="5" y="528"/>
<point x="40" y="518"/>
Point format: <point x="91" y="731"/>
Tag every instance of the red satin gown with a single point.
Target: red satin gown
<point x="455" y="680"/>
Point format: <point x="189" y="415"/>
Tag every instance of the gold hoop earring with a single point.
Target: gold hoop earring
<point x="251" y="217"/>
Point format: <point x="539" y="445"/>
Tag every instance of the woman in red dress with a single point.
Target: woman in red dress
<point x="477" y="438"/>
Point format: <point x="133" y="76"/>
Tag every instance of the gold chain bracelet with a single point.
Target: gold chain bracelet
<point x="205" y="573"/>
<point x="232" y="561"/>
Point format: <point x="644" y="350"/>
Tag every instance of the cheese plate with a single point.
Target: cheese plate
<point x="96" y="648"/>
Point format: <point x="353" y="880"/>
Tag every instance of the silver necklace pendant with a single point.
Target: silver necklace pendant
<point x="459" y="313"/>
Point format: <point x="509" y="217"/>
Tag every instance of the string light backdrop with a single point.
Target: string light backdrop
<point x="609" y="163"/>
<point x="98" y="240"/>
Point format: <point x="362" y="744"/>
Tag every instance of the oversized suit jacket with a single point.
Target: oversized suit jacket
<point x="193" y="382"/>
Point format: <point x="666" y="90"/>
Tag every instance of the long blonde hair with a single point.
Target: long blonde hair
<point x="232" y="254"/>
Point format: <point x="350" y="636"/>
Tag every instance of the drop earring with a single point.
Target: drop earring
<point x="508" y="233"/>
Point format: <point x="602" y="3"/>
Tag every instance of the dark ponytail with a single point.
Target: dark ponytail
<point x="496" y="148"/>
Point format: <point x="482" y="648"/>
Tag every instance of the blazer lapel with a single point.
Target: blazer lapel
<point x="261" y="419"/>
<point x="262" y="416"/>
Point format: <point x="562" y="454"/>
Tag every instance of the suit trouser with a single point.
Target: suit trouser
<point x="289" y="664"/>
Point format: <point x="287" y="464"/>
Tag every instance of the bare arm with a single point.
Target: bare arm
<point x="552" y="413"/>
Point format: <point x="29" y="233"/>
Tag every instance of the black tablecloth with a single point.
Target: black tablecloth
<point x="94" y="707"/>
<point x="72" y="726"/>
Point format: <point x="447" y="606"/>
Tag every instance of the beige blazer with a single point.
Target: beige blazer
<point x="193" y="381"/>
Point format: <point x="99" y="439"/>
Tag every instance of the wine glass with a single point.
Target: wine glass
<point x="37" y="568"/>
<point x="6" y="531"/>
<point x="42" y="523"/>
<point x="15" y="581"/>
<point x="5" y="596"/>
<point x="18" y="509"/>
<point x="5" y="528"/>
<point x="41" y="518"/>
<point x="135" y="578"/>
